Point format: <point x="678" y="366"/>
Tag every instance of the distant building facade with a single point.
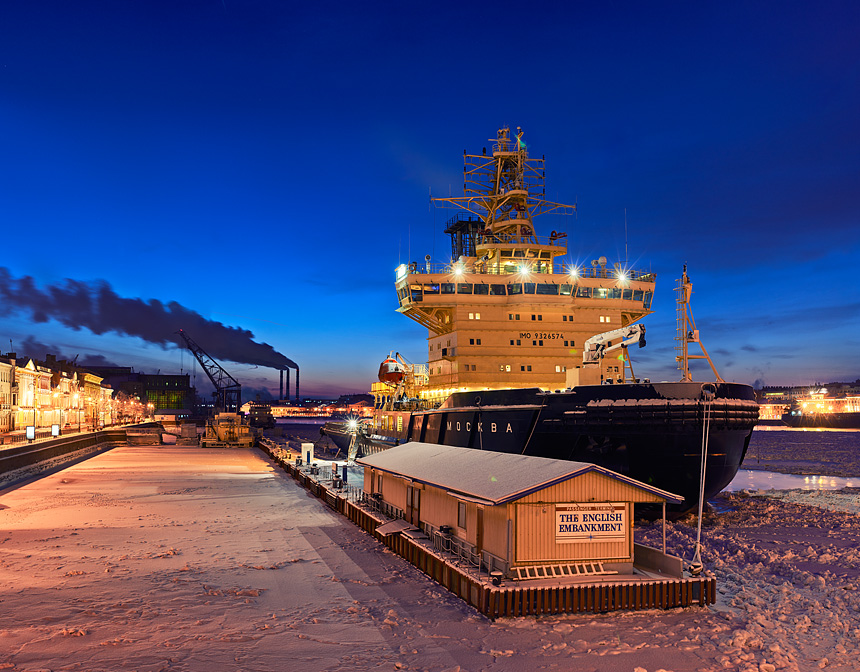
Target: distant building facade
<point x="157" y="392"/>
<point x="52" y="392"/>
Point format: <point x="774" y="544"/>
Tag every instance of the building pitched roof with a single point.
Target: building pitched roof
<point x="486" y="476"/>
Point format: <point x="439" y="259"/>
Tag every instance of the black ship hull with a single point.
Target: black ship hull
<point x="652" y="432"/>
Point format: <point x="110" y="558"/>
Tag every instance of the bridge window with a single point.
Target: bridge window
<point x="482" y="289"/>
<point x="498" y="290"/>
<point x="583" y="292"/>
<point x="515" y="288"/>
<point x="547" y="289"/>
<point x="464" y="288"/>
<point x="447" y="287"/>
<point x="431" y="289"/>
<point x="529" y="287"/>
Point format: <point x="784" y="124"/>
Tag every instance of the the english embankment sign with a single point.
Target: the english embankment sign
<point x="605" y="521"/>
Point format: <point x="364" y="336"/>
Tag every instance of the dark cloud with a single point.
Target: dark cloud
<point x="96" y="307"/>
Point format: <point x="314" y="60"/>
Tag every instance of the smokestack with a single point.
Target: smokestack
<point x="287" y="389"/>
<point x="298" y="396"/>
<point x="281" y="393"/>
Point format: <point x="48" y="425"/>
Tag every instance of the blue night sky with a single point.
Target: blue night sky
<point x="267" y="165"/>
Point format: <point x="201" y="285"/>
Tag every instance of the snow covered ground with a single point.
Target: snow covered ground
<point x="173" y="558"/>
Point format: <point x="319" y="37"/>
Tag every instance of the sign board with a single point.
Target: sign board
<point x="31" y="432"/>
<point x="591" y="521"/>
<point x="55" y="430"/>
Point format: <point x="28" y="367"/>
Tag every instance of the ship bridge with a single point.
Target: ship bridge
<point x="506" y="311"/>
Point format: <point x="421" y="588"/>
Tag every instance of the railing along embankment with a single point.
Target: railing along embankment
<point x="29" y="454"/>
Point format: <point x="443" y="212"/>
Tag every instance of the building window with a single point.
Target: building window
<point x="477" y="316"/>
<point x="461" y="515"/>
<point x="534" y="342"/>
<point x="507" y="367"/>
<point x="564" y="318"/>
<point x="513" y="316"/>
<point x="471" y="316"/>
<point x="471" y="341"/>
<point x="519" y="342"/>
<point x="605" y="318"/>
<point x="529" y="367"/>
<point x="522" y="367"/>
<point x="512" y="341"/>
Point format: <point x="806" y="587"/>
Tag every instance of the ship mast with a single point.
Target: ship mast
<point x="687" y="332"/>
<point x="505" y="190"/>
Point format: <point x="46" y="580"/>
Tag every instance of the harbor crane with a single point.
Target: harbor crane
<point x="228" y="391"/>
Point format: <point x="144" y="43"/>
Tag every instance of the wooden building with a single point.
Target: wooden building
<point x="523" y="516"/>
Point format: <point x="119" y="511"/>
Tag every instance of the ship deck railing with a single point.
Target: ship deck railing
<point x="564" y="270"/>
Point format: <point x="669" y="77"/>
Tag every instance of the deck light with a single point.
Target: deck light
<point x="525" y="269"/>
<point x="458" y="270"/>
<point x="352" y="424"/>
<point x="573" y="272"/>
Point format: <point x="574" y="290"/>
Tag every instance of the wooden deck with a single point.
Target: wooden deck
<point x="528" y="597"/>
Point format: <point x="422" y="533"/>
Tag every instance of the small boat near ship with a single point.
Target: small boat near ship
<point x="528" y="354"/>
<point x="818" y="410"/>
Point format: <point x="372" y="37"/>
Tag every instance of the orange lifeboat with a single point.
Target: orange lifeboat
<point x="391" y="371"/>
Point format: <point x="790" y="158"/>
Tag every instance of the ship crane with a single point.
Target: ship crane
<point x="228" y="391"/>
<point x="597" y="347"/>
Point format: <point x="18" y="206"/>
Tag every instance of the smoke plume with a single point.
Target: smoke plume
<point x="96" y="307"/>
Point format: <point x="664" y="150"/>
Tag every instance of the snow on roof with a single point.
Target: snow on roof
<point x="492" y="477"/>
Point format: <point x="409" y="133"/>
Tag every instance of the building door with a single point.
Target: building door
<point x="413" y="505"/>
<point x="479" y="531"/>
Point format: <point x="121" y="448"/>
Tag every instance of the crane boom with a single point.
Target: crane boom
<point x="596" y="347"/>
<point x="228" y="391"/>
